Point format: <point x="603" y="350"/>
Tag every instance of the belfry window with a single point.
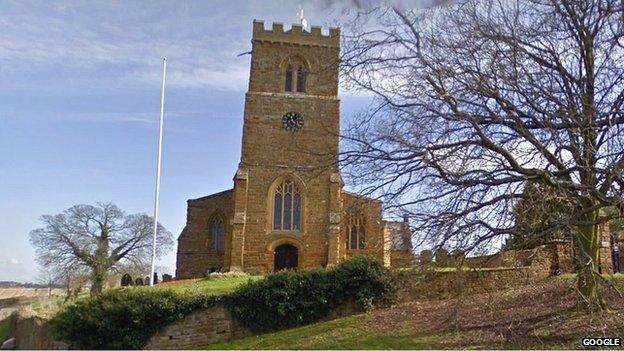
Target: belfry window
<point x="289" y="78"/>
<point x="357" y="232"/>
<point x="295" y="74"/>
<point x="301" y="76"/>
<point x="287" y="206"/>
<point x="217" y="234"/>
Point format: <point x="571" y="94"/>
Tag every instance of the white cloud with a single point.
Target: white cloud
<point x="9" y="262"/>
<point x="126" y="43"/>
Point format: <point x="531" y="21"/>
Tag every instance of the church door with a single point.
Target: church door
<point x="286" y="257"/>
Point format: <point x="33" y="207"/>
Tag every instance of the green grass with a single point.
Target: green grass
<point x="213" y="286"/>
<point x="5" y="329"/>
<point x="344" y="333"/>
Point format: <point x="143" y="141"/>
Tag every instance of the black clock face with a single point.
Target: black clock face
<point x="292" y="121"/>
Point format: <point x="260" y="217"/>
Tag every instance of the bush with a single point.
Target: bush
<point x="124" y="319"/>
<point x="290" y="298"/>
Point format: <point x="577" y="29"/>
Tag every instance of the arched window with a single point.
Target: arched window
<point x="357" y="232"/>
<point x="295" y="70"/>
<point x="289" y="78"/>
<point x="217" y="234"/>
<point x="287" y="206"/>
<point x="301" y="77"/>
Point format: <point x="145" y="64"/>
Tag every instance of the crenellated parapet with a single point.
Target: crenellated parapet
<point x="296" y="35"/>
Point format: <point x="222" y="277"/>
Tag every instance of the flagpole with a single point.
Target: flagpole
<point x="158" y="163"/>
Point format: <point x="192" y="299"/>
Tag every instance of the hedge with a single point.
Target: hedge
<point x="126" y="319"/>
<point x="289" y="298"/>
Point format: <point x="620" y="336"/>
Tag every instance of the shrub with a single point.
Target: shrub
<point x="286" y="299"/>
<point x="124" y="319"/>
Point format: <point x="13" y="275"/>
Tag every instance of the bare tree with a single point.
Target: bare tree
<point x="474" y="99"/>
<point x="97" y="237"/>
<point x="47" y="278"/>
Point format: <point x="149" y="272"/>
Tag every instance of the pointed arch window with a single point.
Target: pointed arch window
<point x="287" y="206"/>
<point x="357" y="232"/>
<point x="217" y="234"/>
<point x="289" y="78"/>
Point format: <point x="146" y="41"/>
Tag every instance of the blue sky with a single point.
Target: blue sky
<point x="79" y="104"/>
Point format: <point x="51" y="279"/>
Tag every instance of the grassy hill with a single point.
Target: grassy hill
<point x="539" y="316"/>
<point x="212" y="286"/>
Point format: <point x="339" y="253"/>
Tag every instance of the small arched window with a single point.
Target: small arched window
<point x="357" y="232"/>
<point x="287" y="206"/>
<point x="301" y="77"/>
<point x="295" y="70"/>
<point x="217" y="234"/>
<point x="289" y="78"/>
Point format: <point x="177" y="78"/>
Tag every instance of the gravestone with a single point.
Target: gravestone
<point x="441" y="257"/>
<point x="126" y="280"/>
<point x="167" y="278"/>
<point x="9" y="344"/>
<point x="458" y="256"/>
<point x="138" y="281"/>
<point x="426" y="257"/>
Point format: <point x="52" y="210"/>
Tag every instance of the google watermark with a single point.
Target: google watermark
<point x="608" y="342"/>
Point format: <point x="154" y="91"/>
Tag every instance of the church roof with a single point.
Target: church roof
<point x="210" y="196"/>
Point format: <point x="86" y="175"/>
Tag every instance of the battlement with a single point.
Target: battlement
<point x="296" y="35"/>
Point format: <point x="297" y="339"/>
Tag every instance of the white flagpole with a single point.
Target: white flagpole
<point x="157" y="195"/>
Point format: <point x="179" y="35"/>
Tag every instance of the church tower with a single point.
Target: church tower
<point x="286" y="200"/>
<point x="287" y="208"/>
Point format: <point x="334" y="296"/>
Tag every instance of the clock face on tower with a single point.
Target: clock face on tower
<point x="292" y="121"/>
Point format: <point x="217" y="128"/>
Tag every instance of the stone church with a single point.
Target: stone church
<point x="287" y="208"/>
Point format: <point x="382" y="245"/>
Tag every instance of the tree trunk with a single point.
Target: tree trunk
<point x="589" y="262"/>
<point x="98" y="276"/>
<point x="100" y="268"/>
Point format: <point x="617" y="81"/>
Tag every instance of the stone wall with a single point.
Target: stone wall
<point x="214" y="325"/>
<point x="553" y="258"/>
<point x="434" y="285"/>
<point x="198" y="329"/>
<point x="33" y="332"/>
<point x="403" y="258"/>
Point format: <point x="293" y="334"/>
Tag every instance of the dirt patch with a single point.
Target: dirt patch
<point x="542" y="314"/>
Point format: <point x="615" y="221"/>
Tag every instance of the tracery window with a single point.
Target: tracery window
<point x="357" y="232"/>
<point x="287" y="206"/>
<point x="217" y="234"/>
